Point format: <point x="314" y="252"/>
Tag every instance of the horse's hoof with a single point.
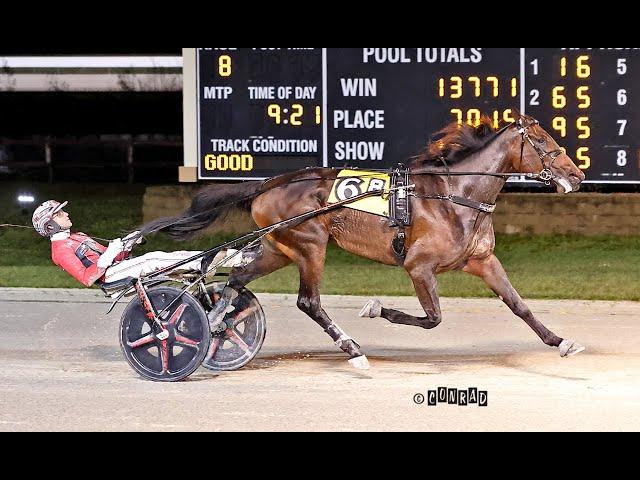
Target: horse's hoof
<point x="569" y="348"/>
<point x="360" y="363"/>
<point x="373" y="309"/>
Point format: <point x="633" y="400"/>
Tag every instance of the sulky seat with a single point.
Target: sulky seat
<point x="110" y="289"/>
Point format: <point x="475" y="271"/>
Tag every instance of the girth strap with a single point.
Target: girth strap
<point x="400" y="244"/>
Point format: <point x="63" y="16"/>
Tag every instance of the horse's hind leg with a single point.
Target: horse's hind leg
<point x="426" y="285"/>
<point x="270" y="261"/>
<point x="494" y="275"/>
<point x="311" y="271"/>
<point x="311" y="266"/>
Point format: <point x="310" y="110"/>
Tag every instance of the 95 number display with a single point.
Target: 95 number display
<point x="268" y="111"/>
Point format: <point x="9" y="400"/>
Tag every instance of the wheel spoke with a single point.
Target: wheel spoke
<point x="186" y="341"/>
<point x="149" y="339"/>
<point x="213" y="349"/>
<point x="164" y="353"/>
<point x="237" y="340"/>
<point x="244" y="315"/>
<point x="177" y="316"/>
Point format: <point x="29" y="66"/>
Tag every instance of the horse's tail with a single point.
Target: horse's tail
<point x="209" y="205"/>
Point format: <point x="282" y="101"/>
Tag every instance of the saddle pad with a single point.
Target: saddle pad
<point x="351" y="183"/>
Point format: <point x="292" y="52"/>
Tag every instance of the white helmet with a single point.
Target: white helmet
<point x="43" y="218"/>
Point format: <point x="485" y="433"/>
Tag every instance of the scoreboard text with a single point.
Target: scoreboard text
<point x="267" y="111"/>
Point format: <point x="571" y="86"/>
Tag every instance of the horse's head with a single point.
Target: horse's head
<point x="538" y="153"/>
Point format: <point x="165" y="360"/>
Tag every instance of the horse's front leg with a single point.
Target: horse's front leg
<point x="426" y="285"/>
<point x="493" y="273"/>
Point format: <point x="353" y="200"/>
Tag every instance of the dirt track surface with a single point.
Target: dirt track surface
<point x="61" y="370"/>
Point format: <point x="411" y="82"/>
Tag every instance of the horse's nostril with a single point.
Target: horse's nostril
<point x="578" y="177"/>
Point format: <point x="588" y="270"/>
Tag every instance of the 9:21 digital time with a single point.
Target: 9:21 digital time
<point x="294" y="115"/>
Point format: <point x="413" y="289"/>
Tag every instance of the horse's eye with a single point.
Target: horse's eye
<point x="542" y="141"/>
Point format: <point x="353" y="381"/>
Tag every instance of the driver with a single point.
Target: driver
<point x="91" y="263"/>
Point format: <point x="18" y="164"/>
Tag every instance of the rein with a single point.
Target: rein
<point x="8" y="225"/>
<point x="264" y="232"/>
<point x="24" y="227"/>
<point x="546" y="176"/>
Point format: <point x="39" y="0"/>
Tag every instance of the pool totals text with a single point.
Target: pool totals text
<point x="268" y="111"/>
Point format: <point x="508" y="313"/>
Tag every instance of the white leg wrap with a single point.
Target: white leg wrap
<point x="360" y="363"/>
<point x="569" y="348"/>
<point x="343" y="336"/>
<point x="343" y="339"/>
<point x="373" y="309"/>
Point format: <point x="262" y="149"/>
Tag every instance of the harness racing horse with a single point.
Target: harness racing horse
<point x="465" y="162"/>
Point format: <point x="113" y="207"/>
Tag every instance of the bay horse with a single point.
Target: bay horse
<point x="445" y="235"/>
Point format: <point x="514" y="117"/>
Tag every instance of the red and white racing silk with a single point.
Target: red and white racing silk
<point x="77" y="254"/>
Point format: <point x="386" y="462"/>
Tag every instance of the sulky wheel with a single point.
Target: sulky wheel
<point x="186" y="328"/>
<point x="241" y="336"/>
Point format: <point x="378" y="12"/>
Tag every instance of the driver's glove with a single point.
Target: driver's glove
<point x="107" y="258"/>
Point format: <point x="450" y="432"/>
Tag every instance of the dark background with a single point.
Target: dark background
<point x="80" y="122"/>
<point x="81" y="114"/>
<point x="87" y="117"/>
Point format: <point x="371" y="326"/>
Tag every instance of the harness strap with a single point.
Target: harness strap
<point x="400" y="202"/>
<point x="81" y="253"/>
<point x="401" y="211"/>
<point x="464" y="202"/>
<point x="400" y="244"/>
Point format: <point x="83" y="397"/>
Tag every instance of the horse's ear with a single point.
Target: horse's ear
<point x="517" y="114"/>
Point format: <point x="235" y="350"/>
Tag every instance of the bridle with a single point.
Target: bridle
<point x="546" y="175"/>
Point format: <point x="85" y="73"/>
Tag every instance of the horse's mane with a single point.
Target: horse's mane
<point x="456" y="142"/>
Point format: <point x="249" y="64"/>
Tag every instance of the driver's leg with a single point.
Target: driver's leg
<point x="153" y="262"/>
<point x="149" y="263"/>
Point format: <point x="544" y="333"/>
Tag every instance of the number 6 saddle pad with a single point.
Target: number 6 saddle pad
<point x="351" y="183"/>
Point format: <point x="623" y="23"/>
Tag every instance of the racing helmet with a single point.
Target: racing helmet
<point x="43" y="220"/>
